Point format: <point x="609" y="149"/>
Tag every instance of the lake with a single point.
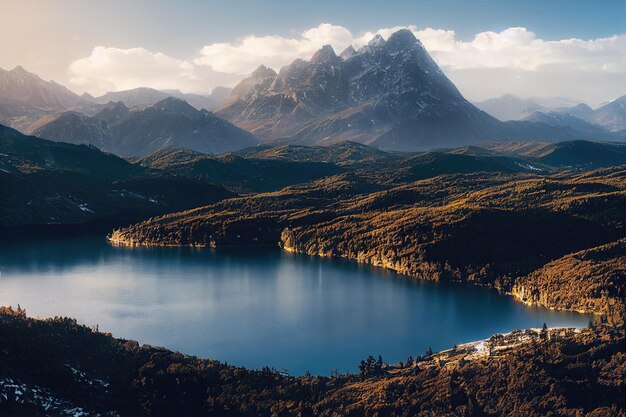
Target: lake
<point x="256" y="307"/>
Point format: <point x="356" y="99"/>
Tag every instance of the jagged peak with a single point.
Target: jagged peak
<point x="347" y="53"/>
<point x="402" y="38"/>
<point x="376" y="41"/>
<point x="21" y="71"/>
<point x="324" y="54"/>
<point x="262" y="71"/>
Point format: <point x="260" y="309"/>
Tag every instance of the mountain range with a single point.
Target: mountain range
<point x="25" y="97"/>
<point x="610" y="116"/>
<point x="48" y="184"/>
<point x="388" y="94"/>
<point x="170" y="123"/>
<point x="144" y="97"/>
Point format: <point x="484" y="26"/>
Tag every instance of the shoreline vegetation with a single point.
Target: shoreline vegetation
<point x="556" y="241"/>
<point x="61" y="368"/>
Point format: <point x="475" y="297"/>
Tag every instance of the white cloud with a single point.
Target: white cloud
<point x="516" y="61"/>
<point x="246" y="54"/>
<point x="114" y="69"/>
<point x="492" y="63"/>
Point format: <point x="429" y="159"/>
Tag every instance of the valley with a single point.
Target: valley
<point x="340" y="234"/>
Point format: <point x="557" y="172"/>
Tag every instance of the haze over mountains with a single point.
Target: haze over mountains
<point x="170" y="123"/>
<point x="388" y="94"/>
<point x="610" y="116"/>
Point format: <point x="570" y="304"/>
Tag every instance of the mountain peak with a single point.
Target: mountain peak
<point x="326" y="53"/>
<point x="402" y="38"/>
<point x="376" y="42"/>
<point x="19" y="69"/>
<point x="262" y="72"/>
<point x="174" y="105"/>
<point x="348" y="53"/>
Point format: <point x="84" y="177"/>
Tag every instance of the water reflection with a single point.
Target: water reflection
<point x="256" y="307"/>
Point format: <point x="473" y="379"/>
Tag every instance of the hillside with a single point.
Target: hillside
<point x="50" y="183"/>
<point x="485" y="228"/>
<point x="240" y="174"/>
<point x="57" y="367"/>
<point x="590" y="280"/>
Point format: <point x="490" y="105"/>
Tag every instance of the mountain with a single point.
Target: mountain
<point x="584" y="154"/>
<point x="388" y="94"/>
<point x="21" y="85"/>
<point x="391" y="94"/>
<point x="170" y="123"/>
<point x="510" y="107"/>
<point x="567" y="119"/>
<point x="581" y="110"/>
<point x="72" y="127"/>
<point x="144" y="97"/>
<point x="579" y="154"/>
<point x="24" y="97"/>
<point x="52" y="183"/>
<point x="237" y="173"/>
<point x="611" y="116"/>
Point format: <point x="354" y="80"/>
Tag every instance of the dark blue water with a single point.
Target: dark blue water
<point x="256" y="307"/>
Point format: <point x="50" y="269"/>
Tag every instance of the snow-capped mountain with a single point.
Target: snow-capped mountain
<point x="611" y="116"/>
<point x="390" y="94"/>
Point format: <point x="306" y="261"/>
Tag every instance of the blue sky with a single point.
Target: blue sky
<point x="48" y="36"/>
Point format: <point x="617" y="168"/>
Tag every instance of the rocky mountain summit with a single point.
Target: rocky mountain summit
<point x="386" y="93"/>
<point x="390" y="94"/>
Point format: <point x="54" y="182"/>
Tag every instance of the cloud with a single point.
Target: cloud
<point x="246" y="54"/>
<point x="516" y="61"/>
<point x="491" y="63"/>
<point x="114" y="69"/>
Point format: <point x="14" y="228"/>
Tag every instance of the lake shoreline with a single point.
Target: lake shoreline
<point x="103" y="375"/>
<point x="115" y="238"/>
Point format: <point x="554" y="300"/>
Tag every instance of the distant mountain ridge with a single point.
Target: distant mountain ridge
<point x="611" y="116"/>
<point x="144" y="97"/>
<point x="52" y="184"/>
<point x="509" y="107"/>
<point x="170" y="123"/>
<point x="25" y="98"/>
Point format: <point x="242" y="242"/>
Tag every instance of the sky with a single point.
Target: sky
<point x="548" y="48"/>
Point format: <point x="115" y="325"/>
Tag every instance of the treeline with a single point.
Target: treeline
<point x="490" y="229"/>
<point x="551" y="372"/>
